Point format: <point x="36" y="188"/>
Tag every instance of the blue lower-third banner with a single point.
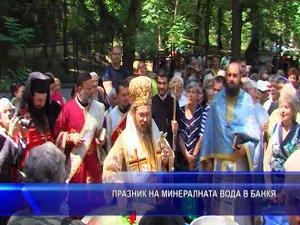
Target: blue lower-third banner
<point x="159" y="195"/>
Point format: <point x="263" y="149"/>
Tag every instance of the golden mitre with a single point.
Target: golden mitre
<point x="141" y="91"/>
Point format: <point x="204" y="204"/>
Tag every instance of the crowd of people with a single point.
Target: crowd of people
<point x="226" y="117"/>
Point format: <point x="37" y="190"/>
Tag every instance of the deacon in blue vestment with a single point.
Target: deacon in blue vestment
<point x="231" y="113"/>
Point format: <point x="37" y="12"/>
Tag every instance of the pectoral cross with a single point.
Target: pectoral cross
<point x="137" y="159"/>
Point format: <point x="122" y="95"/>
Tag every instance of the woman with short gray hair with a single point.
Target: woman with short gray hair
<point x="192" y="118"/>
<point x="191" y="124"/>
<point x="194" y="85"/>
<point x="285" y="135"/>
<point x="208" y="81"/>
<point x="45" y="164"/>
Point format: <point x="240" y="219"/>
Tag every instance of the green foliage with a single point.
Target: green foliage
<point x="280" y="21"/>
<point x="103" y="22"/>
<point x="82" y="18"/>
<point x="146" y="44"/>
<point x="296" y="6"/>
<point x="180" y="33"/>
<point x="118" y="8"/>
<point x="20" y="74"/>
<point x="246" y="30"/>
<point x="160" y="15"/>
<point x="155" y="12"/>
<point x="226" y="30"/>
<point x="17" y="36"/>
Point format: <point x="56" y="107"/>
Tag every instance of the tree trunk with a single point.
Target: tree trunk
<point x="102" y="9"/>
<point x="3" y="46"/>
<point x="253" y="47"/>
<point x="108" y="22"/>
<point x="4" y="58"/>
<point x="160" y="46"/>
<point x="236" y="29"/>
<point x="54" y="66"/>
<point x="52" y="27"/>
<point x="207" y="19"/>
<point x="65" y="40"/>
<point x="219" y="32"/>
<point x="175" y="9"/>
<point x="132" y="22"/>
<point x="197" y="21"/>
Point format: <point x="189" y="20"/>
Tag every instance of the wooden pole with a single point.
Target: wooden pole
<point x="171" y="163"/>
<point x="174" y="87"/>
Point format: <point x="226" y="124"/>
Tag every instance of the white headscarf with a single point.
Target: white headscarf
<point x="5" y="101"/>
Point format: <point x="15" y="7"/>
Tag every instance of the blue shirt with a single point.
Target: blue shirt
<point x="113" y="75"/>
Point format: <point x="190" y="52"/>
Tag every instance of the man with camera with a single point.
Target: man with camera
<point x="12" y="145"/>
<point x="34" y="110"/>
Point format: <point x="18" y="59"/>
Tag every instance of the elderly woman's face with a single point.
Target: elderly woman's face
<point x="6" y="113"/>
<point x="191" y="96"/>
<point x="95" y="82"/>
<point x="285" y="111"/>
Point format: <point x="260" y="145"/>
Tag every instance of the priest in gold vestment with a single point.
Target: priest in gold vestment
<point x="138" y="148"/>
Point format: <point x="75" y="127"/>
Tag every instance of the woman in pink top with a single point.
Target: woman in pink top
<point x="57" y="96"/>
